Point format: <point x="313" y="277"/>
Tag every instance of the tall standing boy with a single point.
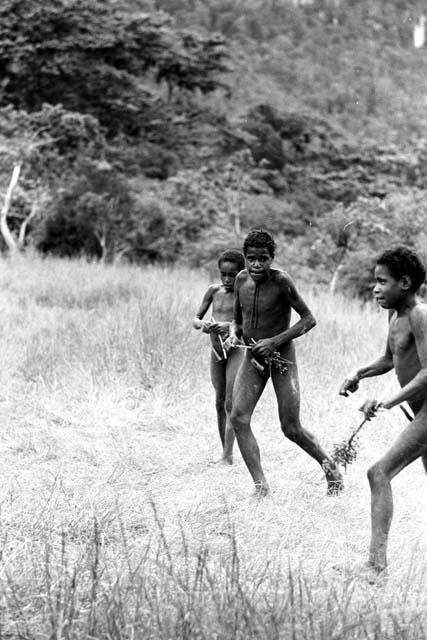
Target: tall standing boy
<point x="264" y="299"/>
<point x="399" y="274"/>
<point x="224" y="363"/>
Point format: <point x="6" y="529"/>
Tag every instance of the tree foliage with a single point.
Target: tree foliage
<point x="94" y="59"/>
<point x="349" y="237"/>
<point x="156" y="130"/>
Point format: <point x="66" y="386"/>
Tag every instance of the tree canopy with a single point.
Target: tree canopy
<point x="154" y="130"/>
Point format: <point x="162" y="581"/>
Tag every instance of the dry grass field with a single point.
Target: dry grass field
<point x="115" y="521"/>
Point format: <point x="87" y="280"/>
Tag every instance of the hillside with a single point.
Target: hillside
<point x="161" y="131"/>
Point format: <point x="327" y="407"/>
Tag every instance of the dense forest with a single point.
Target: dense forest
<point x="161" y="130"/>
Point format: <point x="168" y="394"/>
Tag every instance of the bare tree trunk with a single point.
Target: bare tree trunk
<point x="233" y="206"/>
<point x="24" y="225"/>
<point x="334" y="280"/>
<point x="4" y="227"/>
<point x="119" y="252"/>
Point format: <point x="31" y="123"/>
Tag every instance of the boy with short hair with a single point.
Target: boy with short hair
<point x="399" y="274"/>
<point x="264" y="299"/>
<point x="224" y="362"/>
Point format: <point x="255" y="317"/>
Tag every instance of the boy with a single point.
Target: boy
<point x="264" y="299"/>
<point x="224" y="363"/>
<point x="399" y="274"/>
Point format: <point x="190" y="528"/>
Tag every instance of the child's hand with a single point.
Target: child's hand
<point x="264" y="348"/>
<point x="350" y="384"/>
<point x="206" y="326"/>
<point x="232" y="341"/>
<point x="197" y="323"/>
<point x="220" y="327"/>
<point x="370" y="408"/>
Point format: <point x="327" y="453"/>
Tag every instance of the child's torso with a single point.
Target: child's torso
<point x="222" y="311"/>
<point x="403" y="348"/>
<point x="265" y="308"/>
<point x="222" y="305"/>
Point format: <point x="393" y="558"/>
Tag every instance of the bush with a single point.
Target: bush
<point x="278" y="215"/>
<point x="349" y="238"/>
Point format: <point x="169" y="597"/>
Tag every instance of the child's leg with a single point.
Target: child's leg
<point x="410" y="445"/>
<point x="218" y="377"/>
<point x="248" y="387"/>
<point x="286" y="387"/>
<point x="235" y="357"/>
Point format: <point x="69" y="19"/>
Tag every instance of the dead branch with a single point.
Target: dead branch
<point x="24" y="225"/>
<point x="4" y="228"/>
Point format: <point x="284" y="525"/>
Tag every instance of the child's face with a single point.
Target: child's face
<point x="388" y="291"/>
<point x="228" y="271"/>
<point x="258" y="262"/>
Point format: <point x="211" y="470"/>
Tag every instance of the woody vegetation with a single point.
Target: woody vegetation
<point x="161" y="131"/>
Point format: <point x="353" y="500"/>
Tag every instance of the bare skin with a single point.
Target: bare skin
<point x="406" y="352"/>
<point x="264" y="299"/>
<point x="224" y="362"/>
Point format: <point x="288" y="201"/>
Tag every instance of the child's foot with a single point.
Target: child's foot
<point x="369" y="571"/>
<point x="261" y="490"/>
<point x="223" y="462"/>
<point x="333" y="478"/>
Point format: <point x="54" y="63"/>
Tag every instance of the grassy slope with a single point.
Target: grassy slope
<point x="115" y="524"/>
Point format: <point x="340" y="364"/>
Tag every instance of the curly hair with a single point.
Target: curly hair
<point x="232" y="255"/>
<point x="259" y="238"/>
<point x="402" y="261"/>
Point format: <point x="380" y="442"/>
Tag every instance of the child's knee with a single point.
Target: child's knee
<point x="238" y="419"/>
<point x="228" y="405"/>
<point x="376" y="476"/>
<point x="291" y="429"/>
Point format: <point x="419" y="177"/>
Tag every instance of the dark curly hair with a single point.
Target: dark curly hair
<point x="232" y="255"/>
<point x="402" y="261"/>
<point x="259" y="238"/>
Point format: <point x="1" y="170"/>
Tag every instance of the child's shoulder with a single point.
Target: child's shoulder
<point x="241" y="276"/>
<point x="280" y="275"/>
<point x="419" y="310"/>
<point x="416" y="316"/>
<point x="215" y="288"/>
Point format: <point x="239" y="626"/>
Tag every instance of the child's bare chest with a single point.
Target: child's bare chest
<point x="222" y="305"/>
<point x="266" y="298"/>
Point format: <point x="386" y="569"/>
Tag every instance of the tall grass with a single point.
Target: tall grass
<point x="115" y="524"/>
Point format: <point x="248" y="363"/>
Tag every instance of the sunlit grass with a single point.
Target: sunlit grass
<point x="115" y="524"/>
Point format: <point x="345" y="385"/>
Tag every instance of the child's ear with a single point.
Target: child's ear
<point x="406" y="282"/>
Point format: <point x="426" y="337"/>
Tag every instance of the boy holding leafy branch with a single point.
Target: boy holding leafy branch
<point x="264" y="299"/>
<point x="399" y="274"/>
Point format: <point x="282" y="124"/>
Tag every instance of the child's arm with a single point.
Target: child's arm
<point x="376" y="368"/>
<point x="206" y="303"/>
<point x="418" y="384"/>
<point x="236" y="328"/>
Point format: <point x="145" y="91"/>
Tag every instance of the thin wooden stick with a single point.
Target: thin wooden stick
<point x="406" y="413"/>
<point x="345" y="453"/>
<point x="221" y="342"/>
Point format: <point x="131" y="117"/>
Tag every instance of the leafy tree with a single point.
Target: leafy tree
<point x="92" y="214"/>
<point x="36" y="152"/>
<point x="349" y="237"/>
<point x="94" y="59"/>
